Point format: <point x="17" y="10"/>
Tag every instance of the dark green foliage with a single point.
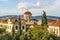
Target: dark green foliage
<point x="22" y="37"/>
<point x="36" y="33"/>
<point x="17" y="37"/>
<point x="18" y="34"/>
<point x="6" y="37"/>
<point x="44" y="19"/>
<point x="2" y="30"/>
<point x="13" y="31"/>
<point x="19" y="22"/>
<point x="39" y="33"/>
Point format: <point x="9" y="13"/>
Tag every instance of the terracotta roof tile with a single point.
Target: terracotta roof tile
<point x="57" y="23"/>
<point x="51" y="20"/>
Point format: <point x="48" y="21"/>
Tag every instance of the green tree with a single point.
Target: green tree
<point x="44" y="19"/>
<point x="2" y="30"/>
<point x="6" y="37"/>
<point x="13" y="31"/>
<point x="22" y="37"/>
<point x="19" y="22"/>
<point x="40" y="33"/>
<point x="19" y="32"/>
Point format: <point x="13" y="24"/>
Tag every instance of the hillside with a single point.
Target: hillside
<point x="34" y="17"/>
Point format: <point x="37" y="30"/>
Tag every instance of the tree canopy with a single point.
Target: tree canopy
<point x="44" y="19"/>
<point x="39" y="33"/>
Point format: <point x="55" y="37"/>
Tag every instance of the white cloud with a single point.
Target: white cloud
<point x="39" y="5"/>
<point x="24" y="5"/>
<point x="55" y="6"/>
<point x="8" y="12"/>
<point x="35" y="8"/>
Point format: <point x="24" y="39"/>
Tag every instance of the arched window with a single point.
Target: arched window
<point x="16" y="27"/>
<point x="22" y="27"/>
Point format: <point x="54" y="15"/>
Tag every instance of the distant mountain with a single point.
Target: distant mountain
<point x="34" y="17"/>
<point x="49" y="17"/>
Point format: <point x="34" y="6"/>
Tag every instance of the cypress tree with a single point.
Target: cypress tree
<point x="19" y="23"/>
<point x="18" y="34"/>
<point x="44" y="19"/>
<point x="13" y="31"/>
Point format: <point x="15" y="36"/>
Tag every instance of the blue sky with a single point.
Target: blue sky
<point x="18" y="7"/>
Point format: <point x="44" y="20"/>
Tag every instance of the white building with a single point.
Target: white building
<point x="26" y="22"/>
<point x="8" y="25"/>
<point x="39" y="22"/>
<point x="55" y="27"/>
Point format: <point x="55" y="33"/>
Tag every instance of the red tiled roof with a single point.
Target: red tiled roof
<point x="57" y="23"/>
<point x="51" y="20"/>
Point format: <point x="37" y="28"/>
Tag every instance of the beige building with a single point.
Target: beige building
<point x="8" y="25"/>
<point x="55" y="27"/>
<point x="26" y="22"/>
<point x="39" y="22"/>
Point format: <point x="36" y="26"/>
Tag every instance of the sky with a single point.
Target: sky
<point x="36" y="7"/>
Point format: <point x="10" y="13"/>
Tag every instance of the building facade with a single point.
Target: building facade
<point x="26" y="22"/>
<point x="55" y="27"/>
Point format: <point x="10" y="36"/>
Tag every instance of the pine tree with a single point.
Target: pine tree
<point x="19" y="23"/>
<point x="13" y="31"/>
<point x="44" y="19"/>
<point x="18" y="34"/>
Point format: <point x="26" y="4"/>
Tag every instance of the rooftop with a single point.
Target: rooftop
<point x="56" y="23"/>
<point x="28" y="13"/>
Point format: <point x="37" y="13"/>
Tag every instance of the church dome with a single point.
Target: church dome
<point x="27" y="13"/>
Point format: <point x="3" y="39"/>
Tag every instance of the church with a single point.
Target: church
<point x="26" y="22"/>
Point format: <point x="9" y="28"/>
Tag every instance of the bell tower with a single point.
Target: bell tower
<point x="27" y="15"/>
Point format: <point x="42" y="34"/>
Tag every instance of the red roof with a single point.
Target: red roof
<point x="57" y="23"/>
<point x="28" y="13"/>
<point x="51" y="20"/>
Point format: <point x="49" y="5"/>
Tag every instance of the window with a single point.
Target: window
<point x="16" y="27"/>
<point x="29" y="16"/>
<point x="22" y="27"/>
<point x="10" y="27"/>
<point x="51" y="29"/>
<point x="56" y="32"/>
